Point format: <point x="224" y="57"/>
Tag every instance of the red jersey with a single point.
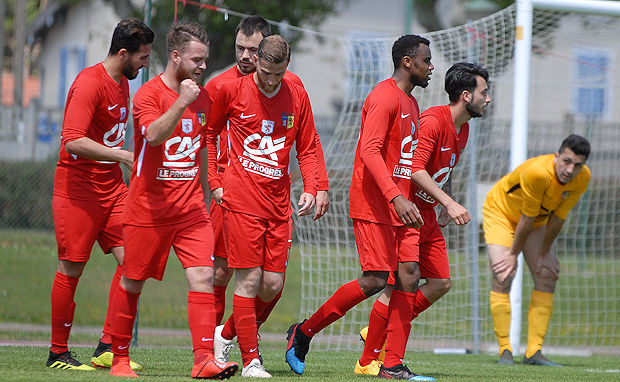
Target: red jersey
<point x="261" y="131"/>
<point x="439" y="149"/>
<point x="382" y="167"/>
<point x="97" y="108"/>
<point x="222" y="160"/>
<point x="165" y="181"/>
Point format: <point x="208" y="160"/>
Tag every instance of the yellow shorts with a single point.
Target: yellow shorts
<point x="497" y="228"/>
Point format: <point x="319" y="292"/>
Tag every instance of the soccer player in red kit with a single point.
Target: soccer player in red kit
<point x="166" y="202"/>
<point x="89" y="191"/>
<point x="249" y="33"/>
<point x="264" y="115"/>
<point x="442" y="138"/>
<point x="378" y="204"/>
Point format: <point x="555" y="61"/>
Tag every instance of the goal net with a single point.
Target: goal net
<point x="574" y="88"/>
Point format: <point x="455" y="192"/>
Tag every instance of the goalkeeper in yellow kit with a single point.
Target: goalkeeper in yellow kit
<point x="524" y="212"/>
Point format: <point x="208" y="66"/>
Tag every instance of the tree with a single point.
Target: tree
<point x="433" y="15"/>
<point x="309" y="13"/>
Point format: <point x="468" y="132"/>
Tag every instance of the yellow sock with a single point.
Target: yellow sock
<point x="500" y="310"/>
<point x="538" y="317"/>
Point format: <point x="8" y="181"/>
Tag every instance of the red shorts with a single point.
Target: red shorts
<point x="256" y="242"/>
<point x="217" y="219"/>
<point x="377" y="245"/>
<point x="427" y="246"/>
<point x="79" y="223"/>
<point x="147" y="248"/>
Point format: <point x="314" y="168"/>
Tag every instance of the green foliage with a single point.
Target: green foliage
<point x="26" y="194"/>
<point x="310" y="13"/>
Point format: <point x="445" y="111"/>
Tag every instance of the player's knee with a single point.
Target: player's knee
<point x="223" y="276"/>
<point x="271" y="289"/>
<point x="409" y="275"/>
<point x="443" y="286"/>
<point x="372" y="284"/>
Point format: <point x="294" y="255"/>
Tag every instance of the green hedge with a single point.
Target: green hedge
<point x="26" y="194"/>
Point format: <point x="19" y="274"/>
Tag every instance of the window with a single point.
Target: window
<point x="592" y="91"/>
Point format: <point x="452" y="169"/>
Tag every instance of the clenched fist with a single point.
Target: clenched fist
<point x="188" y="91"/>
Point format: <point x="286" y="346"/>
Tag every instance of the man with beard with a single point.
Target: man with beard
<point x="166" y="201"/>
<point x="442" y="137"/>
<point x="524" y="212"/>
<point x="380" y="209"/>
<point x="89" y="191"/>
<point x="248" y="35"/>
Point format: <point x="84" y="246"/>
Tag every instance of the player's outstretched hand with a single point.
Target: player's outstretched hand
<point x="217" y="193"/>
<point x="407" y="212"/>
<point x="188" y="91"/>
<point x="458" y="213"/>
<point x="547" y="263"/>
<point x="322" y="204"/>
<point x="505" y="268"/>
<point x="306" y="203"/>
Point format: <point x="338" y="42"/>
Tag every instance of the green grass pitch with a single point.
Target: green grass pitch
<point x="174" y="364"/>
<point x="27" y="267"/>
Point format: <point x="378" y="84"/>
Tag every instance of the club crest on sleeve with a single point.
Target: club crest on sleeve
<point x="186" y="125"/>
<point x="288" y="120"/>
<point x="267" y="127"/>
<point x="123" y="113"/>
<point x="202" y="118"/>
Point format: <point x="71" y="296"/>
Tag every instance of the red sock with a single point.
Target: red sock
<point x="201" y="318"/>
<point x="345" y="298"/>
<point x="263" y="309"/>
<point x="399" y="326"/>
<point x="421" y="304"/>
<point x="244" y="314"/>
<point x="220" y="302"/>
<point x="106" y="338"/>
<point x="63" y="307"/>
<point x="124" y="308"/>
<point x="228" y="331"/>
<point x="377" y="325"/>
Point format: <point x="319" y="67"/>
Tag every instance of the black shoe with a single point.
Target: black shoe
<point x="506" y="358"/>
<point x="539" y="359"/>
<point x="401" y="372"/>
<point x="102" y="347"/>
<point x="297" y="348"/>
<point x="65" y="361"/>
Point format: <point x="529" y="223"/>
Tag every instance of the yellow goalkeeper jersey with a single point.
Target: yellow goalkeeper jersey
<point x="533" y="189"/>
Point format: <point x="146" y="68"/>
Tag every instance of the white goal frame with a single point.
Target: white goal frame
<point x="518" y="152"/>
